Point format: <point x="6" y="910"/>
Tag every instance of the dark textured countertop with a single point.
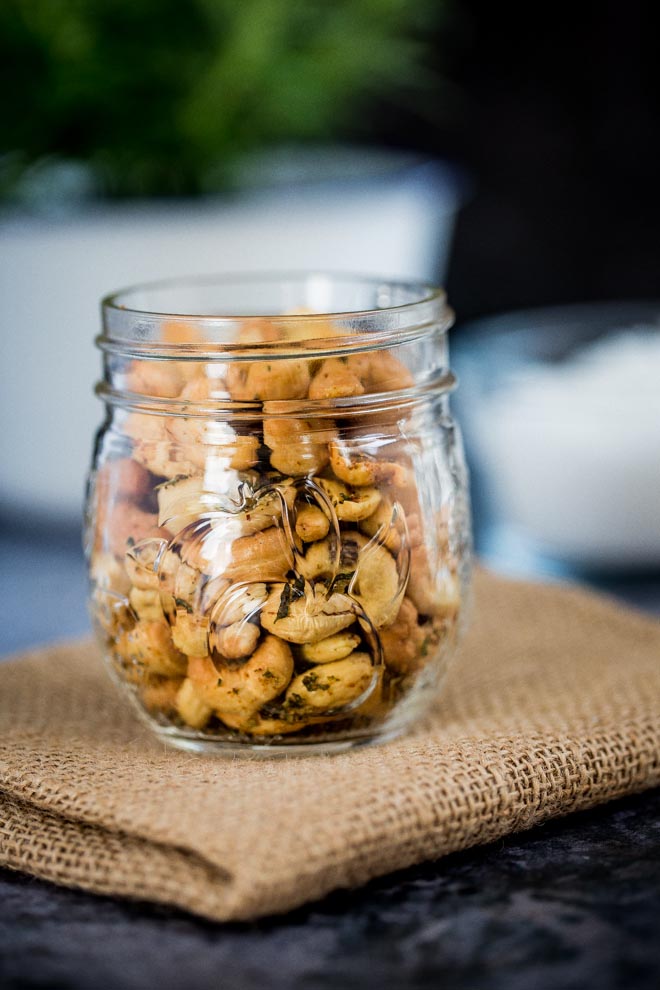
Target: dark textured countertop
<point x="572" y="905"/>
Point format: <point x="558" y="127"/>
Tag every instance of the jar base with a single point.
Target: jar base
<point x="267" y="750"/>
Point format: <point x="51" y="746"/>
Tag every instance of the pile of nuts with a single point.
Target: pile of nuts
<point x="275" y="575"/>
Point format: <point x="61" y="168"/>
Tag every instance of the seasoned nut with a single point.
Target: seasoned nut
<point x="402" y="642"/>
<point x="382" y="520"/>
<point x="264" y="556"/>
<point x="190" y="634"/>
<point x="237" y="640"/>
<point x="432" y="593"/>
<point x="159" y="378"/>
<point x="242" y="690"/>
<point x="128" y="525"/>
<point x="150" y="644"/>
<point x="267" y="380"/>
<point x="377" y="582"/>
<point x="160" y="694"/>
<point x="298" y="447"/>
<point x="309" y="618"/>
<point x="330" y="685"/>
<point x="359" y="469"/>
<point x="108" y="574"/>
<point x="122" y="480"/>
<point x="191" y="705"/>
<point x="140" y="567"/>
<point x="335" y="380"/>
<point x="145" y="602"/>
<point x="333" y="648"/>
<point x="312" y="523"/>
<point x="387" y="373"/>
<point x="318" y="562"/>
<point x="351" y="504"/>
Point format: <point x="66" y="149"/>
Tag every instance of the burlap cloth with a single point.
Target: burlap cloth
<point x="553" y="705"/>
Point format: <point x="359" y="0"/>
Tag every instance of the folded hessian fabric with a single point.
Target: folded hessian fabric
<point x="552" y="705"/>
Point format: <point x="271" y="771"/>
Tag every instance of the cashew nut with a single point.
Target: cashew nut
<point x="432" y="594"/>
<point x="145" y="602"/>
<point x="237" y="640"/>
<point x="298" y="447"/>
<point x="312" y="523"/>
<point x="161" y="695"/>
<point x="309" y="618"/>
<point x="266" y="380"/>
<point x="108" y="574"/>
<point x="150" y="644"/>
<point x="402" y="642"/>
<point x="318" y="562"/>
<point x="351" y="504"/>
<point x="264" y="556"/>
<point x="159" y="378"/>
<point x="191" y="706"/>
<point x="333" y="648"/>
<point x="242" y="690"/>
<point x="360" y="469"/>
<point x="335" y="380"/>
<point x="377" y="585"/>
<point x="190" y="634"/>
<point x="330" y="685"/>
<point x="381" y="520"/>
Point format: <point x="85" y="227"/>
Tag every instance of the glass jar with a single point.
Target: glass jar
<point x="277" y="526"/>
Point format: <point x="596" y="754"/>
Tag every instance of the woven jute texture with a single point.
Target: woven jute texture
<point x="552" y="705"/>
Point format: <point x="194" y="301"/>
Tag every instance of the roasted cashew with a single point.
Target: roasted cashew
<point x="360" y="469"/>
<point x="333" y="648"/>
<point x="312" y="523"/>
<point x="160" y="695"/>
<point x="402" y="642"/>
<point x="184" y="500"/>
<point x="264" y="556"/>
<point x="377" y="582"/>
<point x="191" y="706"/>
<point x="335" y="380"/>
<point x="190" y="634"/>
<point x="125" y="525"/>
<point x="297" y="446"/>
<point x="150" y="644"/>
<point x="201" y="438"/>
<point x="267" y="380"/>
<point x="155" y="378"/>
<point x="387" y="373"/>
<point x="318" y="562"/>
<point x="145" y="602"/>
<point x="242" y="690"/>
<point x="309" y="618"/>
<point x="350" y="504"/>
<point x="330" y="685"/>
<point x="141" y="571"/>
<point x="108" y="574"/>
<point x="237" y="640"/>
<point x="381" y="520"/>
<point x="432" y="594"/>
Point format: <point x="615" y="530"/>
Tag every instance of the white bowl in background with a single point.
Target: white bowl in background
<point x="561" y="413"/>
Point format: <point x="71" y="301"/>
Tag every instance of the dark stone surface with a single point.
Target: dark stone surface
<point x="572" y="905"/>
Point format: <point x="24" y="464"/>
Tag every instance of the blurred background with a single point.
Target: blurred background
<point x="509" y="153"/>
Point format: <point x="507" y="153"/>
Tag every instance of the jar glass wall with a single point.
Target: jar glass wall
<point x="277" y="525"/>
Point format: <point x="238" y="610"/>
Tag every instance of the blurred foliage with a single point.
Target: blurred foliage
<point x="160" y="97"/>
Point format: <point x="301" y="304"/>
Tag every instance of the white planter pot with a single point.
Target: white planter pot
<point x="53" y="272"/>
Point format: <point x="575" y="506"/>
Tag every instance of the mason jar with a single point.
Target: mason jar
<point x="277" y="524"/>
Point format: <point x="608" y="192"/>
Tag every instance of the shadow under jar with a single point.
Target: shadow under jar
<point x="277" y="525"/>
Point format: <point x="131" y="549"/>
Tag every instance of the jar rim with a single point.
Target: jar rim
<point x="406" y="307"/>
